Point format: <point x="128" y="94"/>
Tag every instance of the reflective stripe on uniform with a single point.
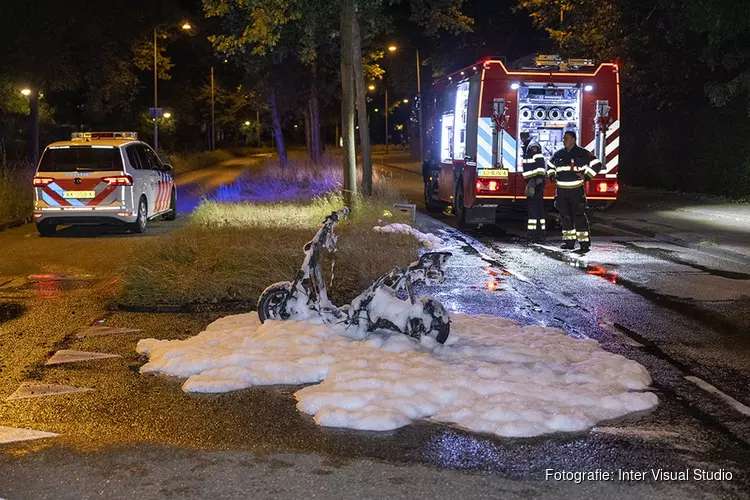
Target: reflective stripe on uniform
<point x="537" y="156"/>
<point x="589" y="171"/>
<point x="583" y="236"/>
<point x="532" y="173"/>
<point x="570" y="184"/>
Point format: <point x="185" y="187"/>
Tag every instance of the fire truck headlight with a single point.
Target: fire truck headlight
<point x="514" y="85"/>
<point x="588" y="88"/>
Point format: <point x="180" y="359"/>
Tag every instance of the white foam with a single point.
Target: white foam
<point x="427" y="240"/>
<point x="492" y="376"/>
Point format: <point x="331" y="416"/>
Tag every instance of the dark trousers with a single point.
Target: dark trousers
<point x="571" y="203"/>
<point x="537" y="221"/>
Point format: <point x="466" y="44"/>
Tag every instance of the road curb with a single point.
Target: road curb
<point x="674" y="240"/>
<point x="401" y="168"/>
<point x="12" y="224"/>
<point x="236" y="307"/>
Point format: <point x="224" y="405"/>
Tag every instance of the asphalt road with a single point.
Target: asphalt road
<point x="679" y="313"/>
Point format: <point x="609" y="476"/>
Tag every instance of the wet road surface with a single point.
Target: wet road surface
<point x="674" y="310"/>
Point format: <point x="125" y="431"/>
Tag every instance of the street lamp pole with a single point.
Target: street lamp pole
<point x="213" y="113"/>
<point x="185" y="26"/>
<point x="419" y="103"/>
<point x="386" y="119"/>
<point x="156" y="95"/>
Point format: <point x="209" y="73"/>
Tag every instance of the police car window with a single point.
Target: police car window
<point x="80" y="158"/>
<point x="142" y="156"/>
<point x="153" y="160"/>
<point x="132" y="153"/>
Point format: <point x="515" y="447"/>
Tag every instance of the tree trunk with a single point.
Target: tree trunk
<point x="308" y="131"/>
<point x="347" y="103"/>
<point x="364" y="129"/>
<point x="317" y="149"/>
<point x="278" y="135"/>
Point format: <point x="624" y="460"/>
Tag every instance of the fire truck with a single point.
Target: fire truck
<point x="474" y="118"/>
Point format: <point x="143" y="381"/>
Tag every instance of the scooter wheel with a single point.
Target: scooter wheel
<point x="272" y="301"/>
<point x="440" y="324"/>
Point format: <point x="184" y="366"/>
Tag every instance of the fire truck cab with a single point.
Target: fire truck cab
<point x="475" y="116"/>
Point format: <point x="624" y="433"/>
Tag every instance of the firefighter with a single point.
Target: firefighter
<point x="535" y="175"/>
<point x="569" y="168"/>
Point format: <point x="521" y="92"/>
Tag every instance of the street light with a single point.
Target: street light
<point x="406" y="101"/>
<point x="167" y="115"/>
<point x="247" y="123"/>
<point x="185" y="26"/>
<point x="26" y="92"/>
<point x="393" y="48"/>
<point x="371" y="87"/>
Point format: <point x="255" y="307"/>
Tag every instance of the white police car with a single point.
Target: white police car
<point x="102" y="178"/>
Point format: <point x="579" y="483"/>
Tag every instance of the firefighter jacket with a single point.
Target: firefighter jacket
<point x="533" y="161"/>
<point x="569" y="169"/>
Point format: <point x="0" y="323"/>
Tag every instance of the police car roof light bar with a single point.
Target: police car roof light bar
<point x="104" y="135"/>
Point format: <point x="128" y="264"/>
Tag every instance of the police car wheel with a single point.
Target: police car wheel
<point x="46" y="229"/>
<point x="172" y="214"/>
<point x="139" y="226"/>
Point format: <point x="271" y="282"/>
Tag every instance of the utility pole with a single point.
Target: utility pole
<point x="213" y="112"/>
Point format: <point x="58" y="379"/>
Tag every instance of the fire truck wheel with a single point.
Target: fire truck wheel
<point x="172" y="214"/>
<point x="139" y="226"/>
<point x="46" y="229"/>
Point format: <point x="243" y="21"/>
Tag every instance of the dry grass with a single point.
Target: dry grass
<point x="16" y="193"/>
<point x="208" y="263"/>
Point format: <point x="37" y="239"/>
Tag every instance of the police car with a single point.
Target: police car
<point x="102" y="178"/>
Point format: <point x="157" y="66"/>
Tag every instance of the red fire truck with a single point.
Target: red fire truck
<point x="474" y="118"/>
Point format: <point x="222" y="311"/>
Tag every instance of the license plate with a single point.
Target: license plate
<point x="79" y="194"/>
<point x="492" y="172"/>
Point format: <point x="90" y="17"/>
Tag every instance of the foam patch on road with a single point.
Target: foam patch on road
<point x="493" y="376"/>
<point x="427" y="240"/>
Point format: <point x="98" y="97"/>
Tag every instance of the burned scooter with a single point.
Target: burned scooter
<point x="378" y="307"/>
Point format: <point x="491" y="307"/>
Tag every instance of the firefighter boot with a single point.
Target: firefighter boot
<point x="569" y="239"/>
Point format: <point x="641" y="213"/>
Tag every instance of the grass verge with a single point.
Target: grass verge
<point x="230" y="252"/>
<point x="16" y="195"/>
